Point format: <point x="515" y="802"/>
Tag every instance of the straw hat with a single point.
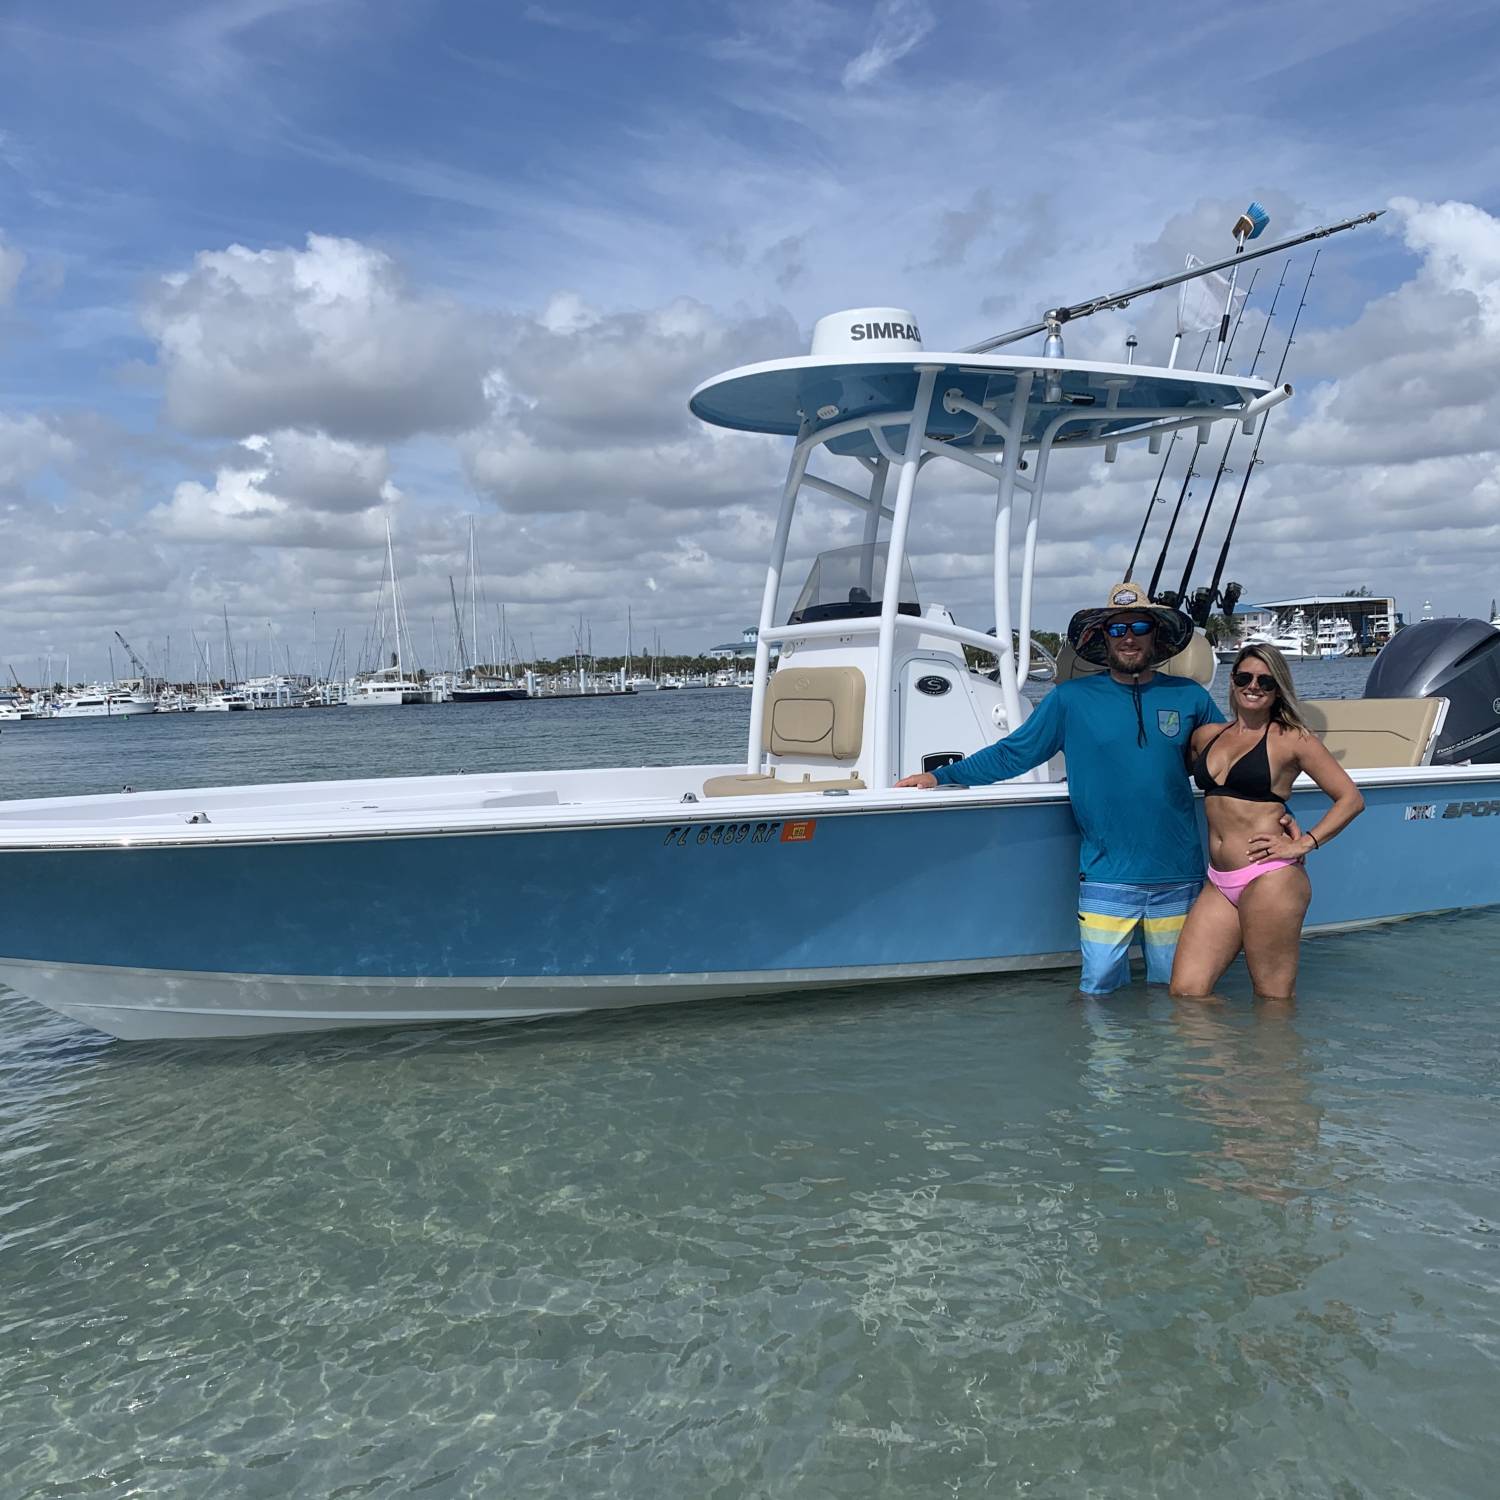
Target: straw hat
<point x="1086" y="629"/>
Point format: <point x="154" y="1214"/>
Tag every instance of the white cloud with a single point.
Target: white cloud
<point x="590" y="410"/>
<point x="896" y="27"/>
<point x="328" y="337"/>
<point x="1461" y="244"/>
<point x="1420" y="367"/>
<point x="292" y="489"/>
<point x="318" y="472"/>
<point x="28" y="445"/>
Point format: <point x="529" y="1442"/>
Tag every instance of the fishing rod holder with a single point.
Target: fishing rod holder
<point x="1253" y="411"/>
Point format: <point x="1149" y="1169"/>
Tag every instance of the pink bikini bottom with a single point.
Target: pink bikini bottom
<point x="1231" y="884"/>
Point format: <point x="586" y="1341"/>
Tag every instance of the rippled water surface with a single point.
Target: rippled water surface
<point x="973" y="1237"/>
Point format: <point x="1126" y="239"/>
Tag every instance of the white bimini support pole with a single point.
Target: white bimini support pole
<point x="885" y="683"/>
<point x="1010" y="688"/>
<point x="800" y="456"/>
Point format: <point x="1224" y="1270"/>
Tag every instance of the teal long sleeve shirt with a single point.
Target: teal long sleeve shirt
<point x="1132" y="801"/>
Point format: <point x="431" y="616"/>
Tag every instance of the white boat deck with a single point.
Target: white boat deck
<point x="521" y="801"/>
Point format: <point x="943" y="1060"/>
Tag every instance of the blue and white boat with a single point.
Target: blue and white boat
<point x="249" y="910"/>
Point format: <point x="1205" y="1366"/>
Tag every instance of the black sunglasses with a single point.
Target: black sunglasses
<point x="1244" y="679"/>
<point x="1118" y="628"/>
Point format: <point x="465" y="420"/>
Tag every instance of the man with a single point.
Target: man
<point x="1124" y="733"/>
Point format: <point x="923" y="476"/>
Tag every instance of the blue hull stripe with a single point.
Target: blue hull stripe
<point x="945" y="885"/>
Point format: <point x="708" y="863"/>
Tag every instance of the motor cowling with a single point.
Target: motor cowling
<point x="1457" y="659"/>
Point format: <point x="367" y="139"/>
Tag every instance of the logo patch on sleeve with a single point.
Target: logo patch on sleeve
<point x="1169" y="721"/>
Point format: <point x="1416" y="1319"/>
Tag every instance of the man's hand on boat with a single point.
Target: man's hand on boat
<point x="923" y="779"/>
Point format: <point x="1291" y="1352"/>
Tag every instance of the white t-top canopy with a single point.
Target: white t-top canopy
<point x="800" y="396"/>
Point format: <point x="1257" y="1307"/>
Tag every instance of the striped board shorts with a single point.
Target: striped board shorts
<point x="1109" y="915"/>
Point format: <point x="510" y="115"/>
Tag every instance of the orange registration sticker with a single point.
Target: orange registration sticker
<point x="799" y="832"/>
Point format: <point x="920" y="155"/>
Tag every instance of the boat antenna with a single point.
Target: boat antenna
<point x="1161" y="474"/>
<point x="1232" y="591"/>
<point x="1192" y="468"/>
<point x="1204" y="604"/>
<point x="1055" y="317"/>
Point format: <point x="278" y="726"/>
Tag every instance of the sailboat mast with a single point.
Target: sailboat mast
<point x="390" y="563"/>
<point x="473" y="588"/>
<point x="458" y="630"/>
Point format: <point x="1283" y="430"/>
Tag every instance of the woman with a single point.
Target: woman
<point x="1257" y="891"/>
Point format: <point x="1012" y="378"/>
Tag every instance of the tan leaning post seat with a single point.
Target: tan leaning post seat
<point x="1371" y="734"/>
<point x="812" y="713"/>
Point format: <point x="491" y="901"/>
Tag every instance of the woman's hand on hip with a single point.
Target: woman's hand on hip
<point x="1265" y="846"/>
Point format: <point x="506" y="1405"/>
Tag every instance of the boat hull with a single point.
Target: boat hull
<point x="259" y="937"/>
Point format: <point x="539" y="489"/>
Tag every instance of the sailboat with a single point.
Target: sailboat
<point x="389" y="686"/>
<point x="473" y="685"/>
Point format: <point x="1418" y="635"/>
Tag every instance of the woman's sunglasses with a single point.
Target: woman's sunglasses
<point x="1118" y="628"/>
<point x="1244" y="679"/>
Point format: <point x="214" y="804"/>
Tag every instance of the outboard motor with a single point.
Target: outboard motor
<point x="1456" y="659"/>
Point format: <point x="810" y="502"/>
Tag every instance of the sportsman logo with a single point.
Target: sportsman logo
<point x="1169" y="721"/>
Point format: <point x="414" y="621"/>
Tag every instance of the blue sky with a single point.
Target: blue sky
<point x="535" y="226"/>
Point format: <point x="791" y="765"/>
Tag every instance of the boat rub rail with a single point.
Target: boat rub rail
<point x="633" y="813"/>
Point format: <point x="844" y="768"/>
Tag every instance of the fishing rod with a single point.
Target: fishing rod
<point x="1161" y="474"/>
<point x="1192" y="468"/>
<point x="1205" y="603"/>
<point x="1053" y="320"/>
<point x="1234" y="519"/>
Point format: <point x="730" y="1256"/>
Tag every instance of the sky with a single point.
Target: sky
<point x="276" y="272"/>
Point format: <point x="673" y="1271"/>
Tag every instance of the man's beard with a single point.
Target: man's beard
<point x="1118" y="665"/>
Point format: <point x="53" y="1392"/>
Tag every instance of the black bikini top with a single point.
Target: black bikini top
<point x="1249" y="778"/>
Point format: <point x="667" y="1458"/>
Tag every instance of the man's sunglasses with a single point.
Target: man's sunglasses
<point x="1119" y="628"/>
<point x="1244" y="679"/>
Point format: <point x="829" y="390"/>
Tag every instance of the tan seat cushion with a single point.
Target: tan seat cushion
<point x="1071" y="665"/>
<point x="815" y="711"/>
<point x="1196" y="661"/>
<point x="1368" y="734"/>
<point x="764" y="785"/>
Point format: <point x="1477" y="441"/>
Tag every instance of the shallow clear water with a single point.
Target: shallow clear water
<point x="975" y="1237"/>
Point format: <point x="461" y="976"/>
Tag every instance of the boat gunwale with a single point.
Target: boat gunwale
<point x="638" y="812"/>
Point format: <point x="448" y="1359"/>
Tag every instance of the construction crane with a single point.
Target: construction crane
<point x="136" y="662"/>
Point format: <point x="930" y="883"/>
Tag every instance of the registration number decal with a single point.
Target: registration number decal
<point x="732" y="835"/>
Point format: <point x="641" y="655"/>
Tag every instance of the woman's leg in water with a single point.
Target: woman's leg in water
<point x="1271" y="911"/>
<point x="1210" y="939"/>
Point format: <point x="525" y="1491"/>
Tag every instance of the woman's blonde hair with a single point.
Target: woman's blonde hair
<point x="1286" y="710"/>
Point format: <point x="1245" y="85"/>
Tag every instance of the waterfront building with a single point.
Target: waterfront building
<point x="740" y="650"/>
<point x="1313" y="625"/>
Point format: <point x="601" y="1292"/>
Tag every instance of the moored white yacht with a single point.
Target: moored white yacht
<point x="514" y="894"/>
<point x="231" y="700"/>
<point x="103" y="703"/>
<point x="1334" y="638"/>
<point x="389" y="689"/>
